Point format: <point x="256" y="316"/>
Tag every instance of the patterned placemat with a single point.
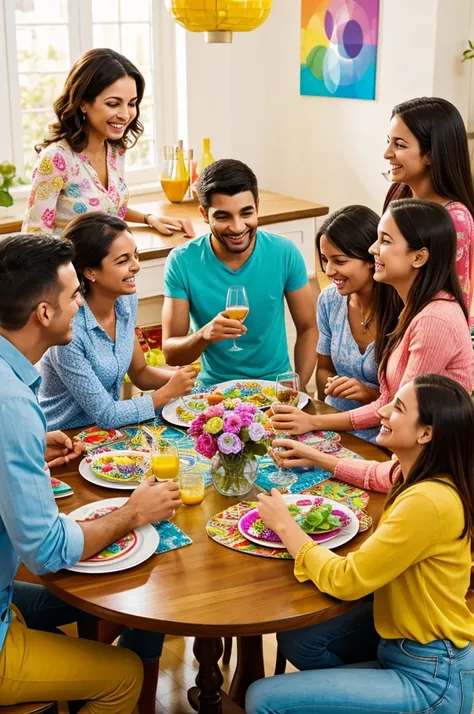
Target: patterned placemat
<point x="223" y="526"/>
<point x="171" y="537"/>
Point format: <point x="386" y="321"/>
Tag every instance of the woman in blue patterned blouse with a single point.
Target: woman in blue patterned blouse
<point x="346" y="372"/>
<point x="82" y="380"/>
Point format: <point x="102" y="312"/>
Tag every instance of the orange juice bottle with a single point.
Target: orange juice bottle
<point x="175" y="187"/>
<point x="207" y="158"/>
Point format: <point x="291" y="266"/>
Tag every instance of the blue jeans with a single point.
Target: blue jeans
<point x="41" y="610"/>
<point x="405" y="677"/>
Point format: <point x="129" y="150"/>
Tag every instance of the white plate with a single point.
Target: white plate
<point x="169" y="410"/>
<point x="302" y="402"/>
<point x="150" y="543"/>
<point x="346" y="533"/>
<point x="87" y="473"/>
<point x="88" y="564"/>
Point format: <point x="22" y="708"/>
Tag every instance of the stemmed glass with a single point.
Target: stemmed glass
<point x="287" y="389"/>
<point x="236" y="308"/>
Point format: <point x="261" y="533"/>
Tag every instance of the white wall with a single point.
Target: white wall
<point x="246" y="97"/>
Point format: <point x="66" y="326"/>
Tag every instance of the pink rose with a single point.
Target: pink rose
<point x="206" y="445"/>
<point x="232" y="424"/>
<point x="48" y="218"/>
<point x="216" y="411"/>
<point x="59" y="162"/>
<point x="196" y="425"/>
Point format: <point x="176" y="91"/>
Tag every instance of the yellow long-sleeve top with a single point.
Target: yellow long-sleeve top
<point x="415" y="564"/>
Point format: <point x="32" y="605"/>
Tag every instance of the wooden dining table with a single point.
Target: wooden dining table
<point x="206" y="590"/>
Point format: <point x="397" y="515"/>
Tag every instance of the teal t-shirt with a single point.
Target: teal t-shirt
<point x="276" y="266"/>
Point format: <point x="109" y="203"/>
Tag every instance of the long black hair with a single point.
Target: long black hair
<point x="352" y="230"/>
<point x="423" y="224"/>
<point x="445" y="406"/>
<point x="92" y="234"/>
<point x="92" y="73"/>
<point x="439" y="129"/>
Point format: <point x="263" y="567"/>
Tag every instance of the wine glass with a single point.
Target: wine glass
<point x="164" y="460"/>
<point x="236" y="308"/>
<point x="287" y="388"/>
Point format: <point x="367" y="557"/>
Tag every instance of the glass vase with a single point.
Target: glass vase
<point x="235" y="474"/>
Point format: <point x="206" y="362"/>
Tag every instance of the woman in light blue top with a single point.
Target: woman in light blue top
<point x="81" y="381"/>
<point x="346" y="372"/>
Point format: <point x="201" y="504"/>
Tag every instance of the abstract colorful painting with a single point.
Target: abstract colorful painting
<point x="339" y="48"/>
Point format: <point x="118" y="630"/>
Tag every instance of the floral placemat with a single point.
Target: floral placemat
<point x="223" y="526"/>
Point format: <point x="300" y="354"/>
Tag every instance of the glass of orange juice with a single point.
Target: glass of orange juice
<point x="164" y="460"/>
<point x="237" y="308"/>
<point x="191" y="485"/>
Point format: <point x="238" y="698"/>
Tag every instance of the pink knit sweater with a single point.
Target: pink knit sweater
<point x="369" y="475"/>
<point x="436" y="341"/>
<point x="464" y="226"/>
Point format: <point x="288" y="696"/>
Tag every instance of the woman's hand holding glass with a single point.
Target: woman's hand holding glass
<point x="291" y="454"/>
<point x="292" y="420"/>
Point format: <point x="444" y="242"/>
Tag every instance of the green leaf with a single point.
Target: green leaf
<point x="5" y="199"/>
<point x="471" y="45"/>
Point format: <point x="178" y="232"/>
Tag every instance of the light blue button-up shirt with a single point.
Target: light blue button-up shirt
<point x="82" y="380"/>
<point x="31" y="528"/>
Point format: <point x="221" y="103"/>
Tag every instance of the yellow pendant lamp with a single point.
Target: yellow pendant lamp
<point x="219" y="18"/>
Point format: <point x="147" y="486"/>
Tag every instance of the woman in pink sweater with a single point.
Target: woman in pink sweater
<point x="424" y="326"/>
<point x="429" y="158"/>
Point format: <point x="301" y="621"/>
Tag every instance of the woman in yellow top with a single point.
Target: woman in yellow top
<point x="409" y="649"/>
<point x="82" y="165"/>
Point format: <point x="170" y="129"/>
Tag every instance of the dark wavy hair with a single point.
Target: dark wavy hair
<point x="423" y="224"/>
<point x="439" y="129"/>
<point x="352" y="230"/>
<point x="92" y="234"/>
<point x="89" y="76"/>
<point x="444" y="405"/>
<point x="227" y="176"/>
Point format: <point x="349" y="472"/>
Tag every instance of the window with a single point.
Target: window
<point x="42" y="40"/>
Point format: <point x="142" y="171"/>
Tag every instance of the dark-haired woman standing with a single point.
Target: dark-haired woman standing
<point x="423" y="327"/>
<point x="81" y="167"/>
<point x="346" y="370"/>
<point x="410" y="649"/>
<point x="429" y="159"/>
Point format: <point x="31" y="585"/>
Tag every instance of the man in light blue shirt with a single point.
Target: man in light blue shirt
<point x="199" y="274"/>
<point x="39" y="296"/>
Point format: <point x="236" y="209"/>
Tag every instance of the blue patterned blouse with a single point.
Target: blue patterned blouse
<point x="82" y="380"/>
<point x="336" y="341"/>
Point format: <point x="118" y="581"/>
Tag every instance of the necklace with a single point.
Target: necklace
<point x="365" y="324"/>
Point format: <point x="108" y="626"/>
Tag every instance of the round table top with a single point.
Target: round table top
<point x="204" y="589"/>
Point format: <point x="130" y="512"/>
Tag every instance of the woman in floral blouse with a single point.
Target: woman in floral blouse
<point x="81" y="166"/>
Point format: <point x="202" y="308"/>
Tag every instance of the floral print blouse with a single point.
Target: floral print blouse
<point x="464" y="225"/>
<point x="65" y="185"/>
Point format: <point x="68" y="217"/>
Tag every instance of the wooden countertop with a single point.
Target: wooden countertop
<point x="274" y="208"/>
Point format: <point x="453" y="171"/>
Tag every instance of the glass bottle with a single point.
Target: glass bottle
<point x="207" y="158"/>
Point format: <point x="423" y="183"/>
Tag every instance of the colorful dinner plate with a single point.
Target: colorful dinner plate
<point x="87" y="474"/>
<point x="260" y="392"/>
<point x="147" y="541"/>
<point x="332" y="539"/>
<point x="120" y="549"/>
<point x="60" y="489"/>
<point x="121" y="466"/>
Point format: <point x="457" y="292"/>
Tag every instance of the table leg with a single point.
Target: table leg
<point x="206" y="697"/>
<point x="250" y="667"/>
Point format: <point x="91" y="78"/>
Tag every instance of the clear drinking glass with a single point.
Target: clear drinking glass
<point x="191" y="487"/>
<point x="236" y="308"/>
<point x="164" y="460"/>
<point x="282" y="476"/>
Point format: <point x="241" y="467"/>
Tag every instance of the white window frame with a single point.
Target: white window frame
<point x="164" y="77"/>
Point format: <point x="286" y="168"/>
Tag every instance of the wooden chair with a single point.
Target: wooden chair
<point x="44" y="708"/>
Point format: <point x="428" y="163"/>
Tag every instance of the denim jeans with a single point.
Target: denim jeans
<point x="41" y="610"/>
<point x="404" y="677"/>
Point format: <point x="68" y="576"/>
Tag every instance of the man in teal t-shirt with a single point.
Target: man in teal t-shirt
<point x="199" y="273"/>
